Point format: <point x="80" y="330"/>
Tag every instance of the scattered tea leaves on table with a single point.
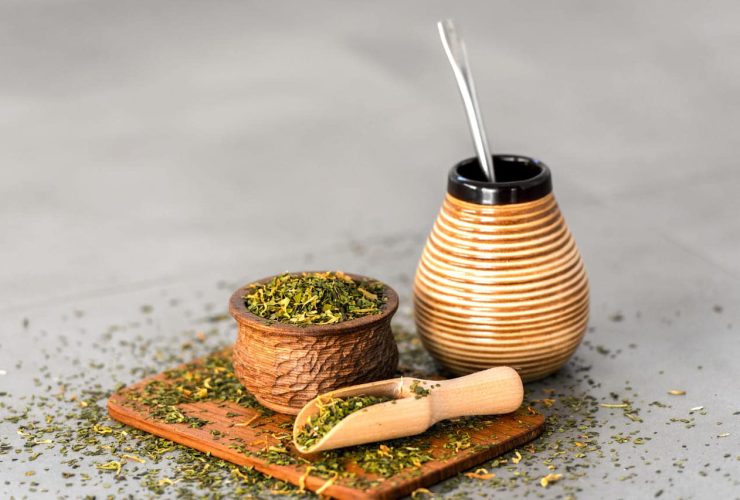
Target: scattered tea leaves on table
<point x="62" y="429"/>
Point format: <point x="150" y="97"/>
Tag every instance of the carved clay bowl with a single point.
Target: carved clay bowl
<point x="285" y="366"/>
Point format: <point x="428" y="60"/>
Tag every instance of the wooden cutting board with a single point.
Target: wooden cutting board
<point x="243" y="435"/>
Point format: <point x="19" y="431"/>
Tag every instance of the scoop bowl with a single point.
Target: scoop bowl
<point x="416" y="404"/>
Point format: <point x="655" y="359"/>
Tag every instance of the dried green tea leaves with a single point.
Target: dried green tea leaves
<point x="314" y="298"/>
<point x="212" y="379"/>
<point x="419" y="390"/>
<point x="331" y="412"/>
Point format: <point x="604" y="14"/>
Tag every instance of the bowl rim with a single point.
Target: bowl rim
<point x="483" y="192"/>
<point x="238" y="310"/>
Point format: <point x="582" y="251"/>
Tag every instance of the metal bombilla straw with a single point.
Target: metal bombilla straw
<point x="455" y="50"/>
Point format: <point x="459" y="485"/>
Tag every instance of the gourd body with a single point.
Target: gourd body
<point x="501" y="283"/>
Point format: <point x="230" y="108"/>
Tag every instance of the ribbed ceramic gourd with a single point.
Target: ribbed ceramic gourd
<point x="500" y="280"/>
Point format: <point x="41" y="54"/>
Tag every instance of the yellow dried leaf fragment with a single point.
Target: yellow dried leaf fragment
<point x="550" y="478"/>
<point x="420" y="491"/>
<point x="480" y="474"/>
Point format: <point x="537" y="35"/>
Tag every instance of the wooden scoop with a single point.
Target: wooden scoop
<point x="488" y="392"/>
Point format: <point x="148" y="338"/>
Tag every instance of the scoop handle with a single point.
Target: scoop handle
<point x="488" y="392"/>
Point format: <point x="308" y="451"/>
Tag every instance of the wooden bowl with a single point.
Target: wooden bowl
<point x="285" y="366"/>
<point x="501" y="281"/>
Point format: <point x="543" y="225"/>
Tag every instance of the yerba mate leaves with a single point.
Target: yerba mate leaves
<point x="314" y="298"/>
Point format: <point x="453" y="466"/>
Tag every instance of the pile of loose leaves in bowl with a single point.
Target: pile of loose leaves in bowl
<point x="314" y="298"/>
<point x="331" y="412"/>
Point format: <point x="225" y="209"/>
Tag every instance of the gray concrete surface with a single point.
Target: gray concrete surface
<point x="153" y="150"/>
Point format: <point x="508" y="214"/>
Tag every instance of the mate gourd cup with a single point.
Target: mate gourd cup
<point x="285" y="366"/>
<point x="500" y="280"/>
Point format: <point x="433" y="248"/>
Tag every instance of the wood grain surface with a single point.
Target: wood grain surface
<point x="254" y="432"/>
<point x="501" y="285"/>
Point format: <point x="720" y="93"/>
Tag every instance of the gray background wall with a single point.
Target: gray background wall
<point x="144" y="140"/>
<point x="151" y="144"/>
